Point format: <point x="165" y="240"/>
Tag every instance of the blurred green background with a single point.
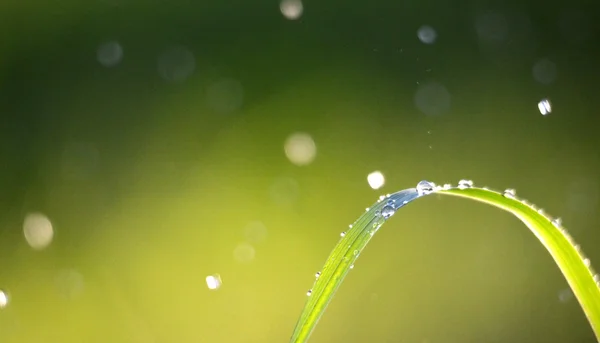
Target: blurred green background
<point x="161" y="143"/>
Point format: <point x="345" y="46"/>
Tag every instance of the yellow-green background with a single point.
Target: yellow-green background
<point x="175" y="183"/>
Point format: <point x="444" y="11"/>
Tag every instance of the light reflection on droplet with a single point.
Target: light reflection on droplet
<point x="544" y="106"/>
<point x="376" y="179"/>
<point x="244" y="253"/>
<point x="300" y="149"/>
<point x="214" y="281"/>
<point x="38" y="230"/>
<point x="109" y="54"/>
<point x="291" y="9"/>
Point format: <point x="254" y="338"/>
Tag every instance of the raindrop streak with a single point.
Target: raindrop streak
<point x="425" y="187"/>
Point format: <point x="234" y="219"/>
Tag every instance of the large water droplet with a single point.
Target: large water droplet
<point x="425" y="187"/>
<point x="387" y="211"/>
<point x="510" y="193"/>
<point x="462" y="184"/>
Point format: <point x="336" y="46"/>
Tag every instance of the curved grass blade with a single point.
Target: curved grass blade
<point x="574" y="266"/>
<point x="343" y="256"/>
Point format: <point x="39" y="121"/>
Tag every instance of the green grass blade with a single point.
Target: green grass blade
<point x="567" y="255"/>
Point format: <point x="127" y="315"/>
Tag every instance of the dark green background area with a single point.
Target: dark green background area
<point x="173" y="183"/>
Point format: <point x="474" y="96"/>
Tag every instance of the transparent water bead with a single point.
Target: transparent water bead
<point x="587" y="262"/>
<point x="309" y="292"/>
<point x="317" y="275"/>
<point x="388" y="211"/>
<point x="510" y="193"/>
<point x="463" y="184"/>
<point x="446" y="186"/>
<point x="425" y="187"/>
<point x="557" y="222"/>
<point x="343" y="234"/>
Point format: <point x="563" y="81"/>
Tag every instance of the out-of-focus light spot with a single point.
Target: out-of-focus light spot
<point x="544" y="106"/>
<point x="300" y="149"/>
<point x="255" y="232"/>
<point x="544" y="71"/>
<point x="291" y="9"/>
<point x="69" y="283"/>
<point x="565" y="295"/>
<point x="176" y="64"/>
<point x="491" y="26"/>
<point x="576" y="26"/>
<point x="109" y="54"/>
<point x="79" y="161"/>
<point x="38" y="230"/>
<point x="284" y="191"/>
<point x="213" y="281"/>
<point x="433" y="99"/>
<point x="244" y="253"/>
<point x="376" y="179"/>
<point x="3" y="299"/>
<point x="583" y="195"/>
<point x="427" y="34"/>
<point x="226" y="95"/>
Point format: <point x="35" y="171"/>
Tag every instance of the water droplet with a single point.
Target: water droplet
<point x="350" y="226"/>
<point x="351" y="266"/>
<point x="541" y="211"/>
<point x="3" y="299"/>
<point x="597" y="278"/>
<point x="372" y="232"/>
<point x="425" y="187"/>
<point x="447" y="186"/>
<point x="381" y="197"/>
<point x="309" y="292"/>
<point x="355" y="252"/>
<point x="463" y="184"/>
<point x="343" y="234"/>
<point x="509" y="193"/>
<point x="388" y="211"/>
<point x="318" y="274"/>
<point x="377" y="213"/>
<point x="587" y="262"/>
<point x="557" y="222"/>
<point x="367" y="209"/>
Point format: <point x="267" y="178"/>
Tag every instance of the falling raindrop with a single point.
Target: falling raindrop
<point x="510" y="193"/>
<point x="425" y="187"/>
<point x="544" y="106"/>
<point x="387" y="211"/>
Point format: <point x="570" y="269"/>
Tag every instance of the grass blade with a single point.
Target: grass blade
<point x="567" y="255"/>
